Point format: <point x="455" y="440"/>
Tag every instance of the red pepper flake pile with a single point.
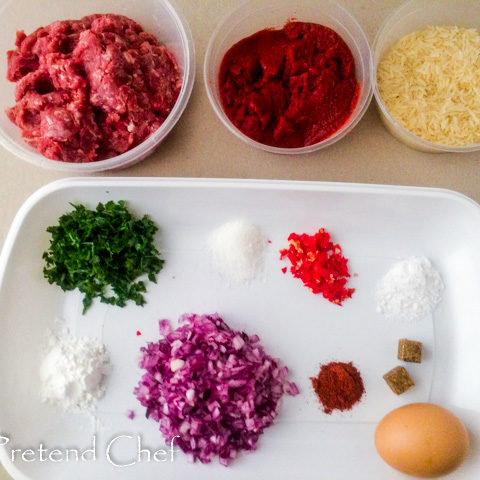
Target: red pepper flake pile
<point x="339" y="386"/>
<point x="319" y="263"/>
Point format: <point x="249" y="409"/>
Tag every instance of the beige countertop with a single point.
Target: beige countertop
<point x="200" y="146"/>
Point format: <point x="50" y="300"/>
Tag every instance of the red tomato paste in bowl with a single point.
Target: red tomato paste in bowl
<point x="91" y="89"/>
<point x="290" y="87"/>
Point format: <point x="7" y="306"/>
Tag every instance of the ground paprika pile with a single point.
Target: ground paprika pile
<point x="338" y="385"/>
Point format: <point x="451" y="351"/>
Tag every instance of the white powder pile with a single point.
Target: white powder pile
<point x="73" y="372"/>
<point x="237" y="248"/>
<point x="410" y="290"/>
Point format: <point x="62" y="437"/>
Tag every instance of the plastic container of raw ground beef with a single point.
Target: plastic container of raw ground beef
<point x="158" y="17"/>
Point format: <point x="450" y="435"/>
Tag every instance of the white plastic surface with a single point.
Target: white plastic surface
<point x="375" y="225"/>
<point x="253" y="16"/>
<point x="159" y="17"/>
<point x="412" y="16"/>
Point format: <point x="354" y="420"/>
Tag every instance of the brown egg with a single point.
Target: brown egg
<point x="422" y="440"/>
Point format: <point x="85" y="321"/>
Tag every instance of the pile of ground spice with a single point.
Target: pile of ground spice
<point x="339" y="386"/>
<point x="92" y="88"/>
<point x="290" y="87"/>
<point x="319" y="263"/>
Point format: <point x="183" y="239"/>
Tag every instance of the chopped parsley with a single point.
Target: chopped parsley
<point x="103" y="252"/>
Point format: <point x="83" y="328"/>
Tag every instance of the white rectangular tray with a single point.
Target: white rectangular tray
<point x="375" y="225"/>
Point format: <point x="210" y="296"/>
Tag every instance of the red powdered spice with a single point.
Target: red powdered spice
<point x="319" y="263"/>
<point x="339" y="386"/>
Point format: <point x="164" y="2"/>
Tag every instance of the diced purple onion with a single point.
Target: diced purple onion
<point x="214" y="387"/>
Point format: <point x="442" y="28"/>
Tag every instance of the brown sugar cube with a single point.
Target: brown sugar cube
<point x="410" y="351"/>
<point x="398" y="380"/>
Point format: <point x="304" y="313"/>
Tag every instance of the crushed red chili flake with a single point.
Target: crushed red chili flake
<point x="138" y="333"/>
<point x="319" y="263"/>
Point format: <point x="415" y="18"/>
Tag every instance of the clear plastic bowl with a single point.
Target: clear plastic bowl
<point x="412" y="16"/>
<point x="158" y="17"/>
<point x="255" y="15"/>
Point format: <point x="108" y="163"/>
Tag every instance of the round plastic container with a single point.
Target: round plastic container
<point x="255" y="15"/>
<point x="158" y="17"/>
<point x="412" y="16"/>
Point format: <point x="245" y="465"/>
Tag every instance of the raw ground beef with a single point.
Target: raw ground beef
<point x="91" y="89"/>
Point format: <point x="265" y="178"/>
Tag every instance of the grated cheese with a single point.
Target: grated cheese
<point x="430" y="83"/>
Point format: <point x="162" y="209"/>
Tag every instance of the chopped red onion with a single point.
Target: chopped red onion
<point x="214" y="387"/>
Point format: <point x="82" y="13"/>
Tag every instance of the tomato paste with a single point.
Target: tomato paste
<point x="290" y="87"/>
<point x="90" y="89"/>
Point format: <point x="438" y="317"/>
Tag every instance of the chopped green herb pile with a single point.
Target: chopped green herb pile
<point x="102" y="252"/>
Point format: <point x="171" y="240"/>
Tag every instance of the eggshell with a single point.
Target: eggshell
<point x="422" y="440"/>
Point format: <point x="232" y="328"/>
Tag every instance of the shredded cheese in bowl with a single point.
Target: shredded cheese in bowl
<point x="430" y="82"/>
